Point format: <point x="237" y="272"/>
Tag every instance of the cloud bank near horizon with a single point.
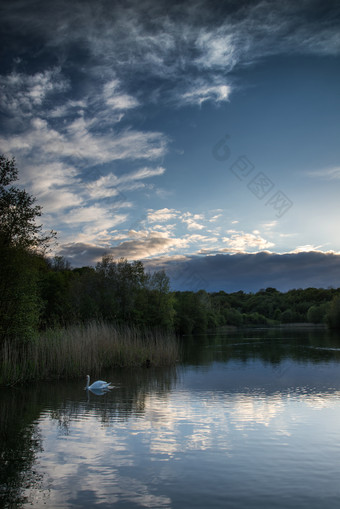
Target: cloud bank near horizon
<point x="252" y="272"/>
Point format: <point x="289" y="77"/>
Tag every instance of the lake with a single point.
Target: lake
<point x="248" y="419"/>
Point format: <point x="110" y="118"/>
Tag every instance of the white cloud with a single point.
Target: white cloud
<point x="117" y="100"/>
<point x="191" y="221"/>
<point x="58" y="199"/>
<point x="83" y="146"/>
<point x="142" y="173"/>
<point x="54" y="175"/>
<point x="201" y="239"/>
<point x="91" y="225"/>
<point x="89" y="214"/>
<point x="68" y="108"/>
<point x="306" y="248"/>
<point x="154" y="243"/>
<point x="162" y="215"/>
<point x="104" y="187"/>
<point x="111" y="185"/>
<point x="241" y="242"/>
<point x="201" y="92"/>
<point x="217" y="48"/>
<point x="215" y="218"/>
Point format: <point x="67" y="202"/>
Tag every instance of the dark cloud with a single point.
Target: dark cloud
<point x="186" y="49"/>
<point x="251" y="272"/>
<point x="82" y="255"/>
<point x="171" y="39"/>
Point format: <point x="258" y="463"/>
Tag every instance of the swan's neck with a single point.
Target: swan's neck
<point x="87" y="382"/>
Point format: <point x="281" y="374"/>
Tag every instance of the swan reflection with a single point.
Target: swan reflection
<point x="96" y="392"/>
<point x="99" y="392"/>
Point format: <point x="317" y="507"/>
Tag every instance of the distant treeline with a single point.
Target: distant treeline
<point x="201" y="311"/>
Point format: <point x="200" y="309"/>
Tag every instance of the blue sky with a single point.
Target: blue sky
<point x="200" y="137"/>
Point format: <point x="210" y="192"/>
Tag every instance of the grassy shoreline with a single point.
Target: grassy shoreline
<point x="78" y="350"/>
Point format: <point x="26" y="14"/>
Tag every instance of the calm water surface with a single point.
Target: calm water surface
<point x="250" y="419"/>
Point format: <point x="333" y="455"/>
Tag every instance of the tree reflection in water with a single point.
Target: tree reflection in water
<point x="19" y="444"/>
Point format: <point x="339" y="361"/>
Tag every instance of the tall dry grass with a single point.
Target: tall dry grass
<point x="77" y="350"/>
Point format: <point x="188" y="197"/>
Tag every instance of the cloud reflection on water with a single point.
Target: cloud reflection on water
<point x="128" y="460"/>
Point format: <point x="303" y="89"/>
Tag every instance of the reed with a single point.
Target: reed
<point x="91" y="348"/>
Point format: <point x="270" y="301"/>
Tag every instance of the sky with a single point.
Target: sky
<point x="201" y="137"/>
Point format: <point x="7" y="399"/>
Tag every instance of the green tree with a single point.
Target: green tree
<point x="86" y="295"/>
<point x="233" y="317"/>
<point x="19" y="213"/>
<point x="21" y="239"/>
<point x="333" y="315"/>
<point x="160" y="302"/>
<point x="55" y="289"/>
<point x="191" y="313"/>
<point x="317" y="313"/>
<point x="121" y="284"/>
<point x="19" y="293"/>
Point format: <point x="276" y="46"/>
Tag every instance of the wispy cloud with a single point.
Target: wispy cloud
<point x="175" y="45"/>
<point x="80" y="137"/>
<point x="217" y="47"/>
<point x="90" y="224"/>
<point x="326" y="174"/>
<point x="111" y="185"/>
<point x="117" y="100"/>
<point x="22" y="95"/>
<point x="202" y="92"/>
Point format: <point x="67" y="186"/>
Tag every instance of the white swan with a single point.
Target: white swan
<point x="99" y="384"/>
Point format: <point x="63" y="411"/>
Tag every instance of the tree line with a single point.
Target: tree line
<point x="201" y="311"/>
<point x="38" y="292"/>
